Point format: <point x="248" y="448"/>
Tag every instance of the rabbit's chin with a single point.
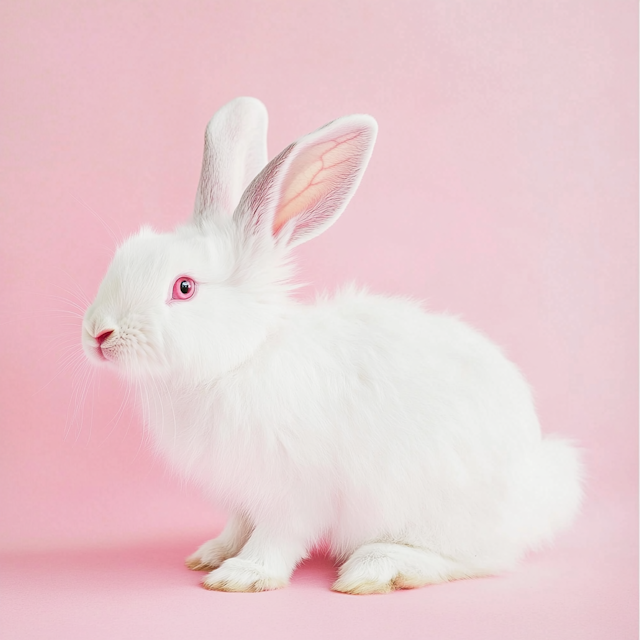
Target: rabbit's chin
<point x="128" y="366"/>
<point x="135" y="369"/>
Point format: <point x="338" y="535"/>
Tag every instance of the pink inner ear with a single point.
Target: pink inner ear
<point x="315" y="173"/>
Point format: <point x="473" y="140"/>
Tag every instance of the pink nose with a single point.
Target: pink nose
<point x="102" y="336"/>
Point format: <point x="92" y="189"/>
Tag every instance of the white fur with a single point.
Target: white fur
<point x="405" y="440"/>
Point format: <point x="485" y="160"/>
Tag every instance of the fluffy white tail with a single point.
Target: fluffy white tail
<point x="552" y="492"/>
<point x="560" y="487"/>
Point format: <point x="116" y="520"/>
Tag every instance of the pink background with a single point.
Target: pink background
<point x="503" y="187"/>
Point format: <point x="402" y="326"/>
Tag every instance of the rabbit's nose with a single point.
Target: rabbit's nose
<point x="103" y="335"/>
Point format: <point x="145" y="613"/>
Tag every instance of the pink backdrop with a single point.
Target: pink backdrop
<point x="503" y="187"/>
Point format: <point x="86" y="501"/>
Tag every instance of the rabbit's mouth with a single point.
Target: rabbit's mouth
<point x="99" y="345"/>
<point x="123" y="345"/>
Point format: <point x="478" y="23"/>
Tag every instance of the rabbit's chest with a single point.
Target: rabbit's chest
<point x="211" y="441"/>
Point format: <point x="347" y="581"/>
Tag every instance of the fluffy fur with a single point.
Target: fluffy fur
<point x="405" y="440"/>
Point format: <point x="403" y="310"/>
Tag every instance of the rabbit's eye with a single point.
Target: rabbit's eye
<point x="183" y="288"/>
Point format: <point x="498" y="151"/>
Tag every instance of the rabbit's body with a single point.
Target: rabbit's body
<point x="405" y="440"/>
<point x="409" y="427"/>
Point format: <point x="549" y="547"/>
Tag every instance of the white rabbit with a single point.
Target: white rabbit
<point x="405" y="441"/>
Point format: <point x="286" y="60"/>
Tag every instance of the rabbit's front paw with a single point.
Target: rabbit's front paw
<point x="209" y="556"/>
<point x="237" y="574"/>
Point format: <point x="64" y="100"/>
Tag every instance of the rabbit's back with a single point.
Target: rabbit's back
<point x="427" y="376"/>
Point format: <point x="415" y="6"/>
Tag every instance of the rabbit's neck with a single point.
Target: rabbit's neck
<point x="176" y="400"/>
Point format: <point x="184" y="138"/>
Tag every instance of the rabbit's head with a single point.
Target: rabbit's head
<point x="198" y="301"/>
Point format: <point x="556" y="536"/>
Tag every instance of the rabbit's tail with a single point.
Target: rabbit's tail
<point x="553" y="491"/>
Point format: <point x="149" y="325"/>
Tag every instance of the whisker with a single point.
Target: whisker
<point x="144" y="399"/>
<point x="83" y="404"/>
<point x="80" y="299"/>
<point x="69" y="360"/>
<point x="78" y="295"/>
<point x="76" y="379"/>
<point x="73" y="303"/>
<point x="136" y="409"/>
<point x="66" y="314"/>
<point x="116" y="418"/>
<point x="80" y="398"/>
<point x="93" y="404"/>
<point x="99" y="217"/>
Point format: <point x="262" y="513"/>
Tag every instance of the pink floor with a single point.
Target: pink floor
<point x="585" y="587"/>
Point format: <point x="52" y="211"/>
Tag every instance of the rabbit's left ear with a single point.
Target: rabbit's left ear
<point x="304" y="189"/>
<point x="235" y="150"/>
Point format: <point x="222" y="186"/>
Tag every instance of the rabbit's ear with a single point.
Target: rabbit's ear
<point x="235" y="150"/>
<point x="303" y="191"/>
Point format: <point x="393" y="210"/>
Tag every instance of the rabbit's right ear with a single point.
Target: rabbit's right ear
<point x="235" y="151"/>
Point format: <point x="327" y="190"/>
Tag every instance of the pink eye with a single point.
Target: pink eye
<point x="183" y="288"/>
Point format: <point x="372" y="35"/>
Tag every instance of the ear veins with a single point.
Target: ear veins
<point x="302" y="185"/>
